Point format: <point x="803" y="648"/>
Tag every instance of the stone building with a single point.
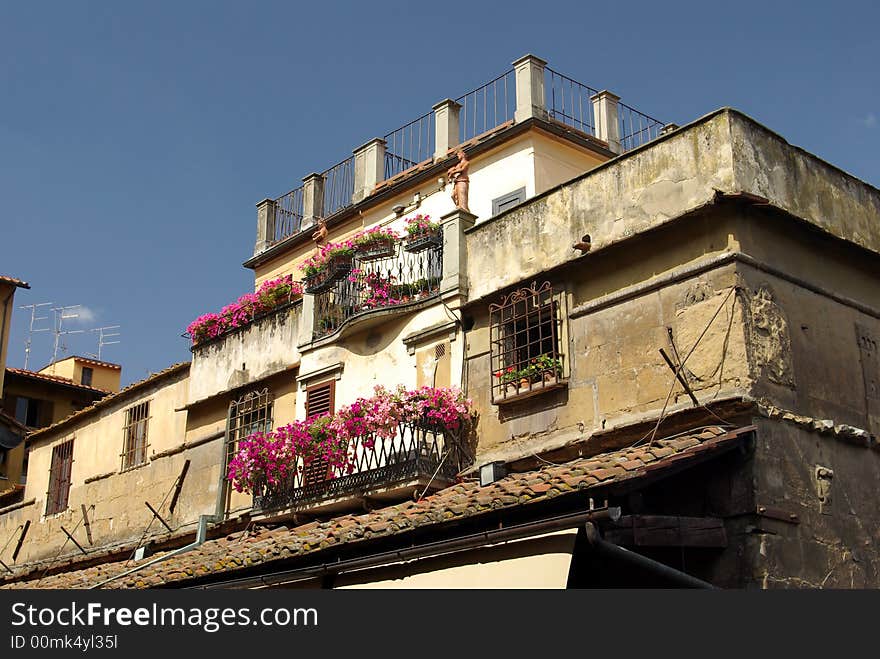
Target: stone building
<point x="669" y="335"/>
<point x="12" y="431"/>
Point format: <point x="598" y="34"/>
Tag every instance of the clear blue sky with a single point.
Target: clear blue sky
<point x="136" y="139"/>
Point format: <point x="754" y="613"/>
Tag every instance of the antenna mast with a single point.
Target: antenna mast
<point x="61" y="314"/>
<point x="103" y="334"/>
<point x="34" y="319"/>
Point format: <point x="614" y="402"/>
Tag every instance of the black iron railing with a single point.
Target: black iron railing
<point x="483" y="109"/>
<point x="409" y="145"/>
<point x="288" y="214"/>
<point x="407" y="274"/>
<point x="636" y="128"/>
<point x="569" y="101"/>
<point x="487" y="106"/>
<point x="417" y="450"/>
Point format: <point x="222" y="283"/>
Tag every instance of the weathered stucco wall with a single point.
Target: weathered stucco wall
<point x="802" y="184"/>
<point x="617" y="373"/>
<point x="263" y="348"/>
<point x="830" y="485"/>
<point x="626" y="196"/>
<point x="115" y="499"/>
<point x="811" y="354"/>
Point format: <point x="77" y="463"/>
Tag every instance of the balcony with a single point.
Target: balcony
<point x="420" y="456"/>
<point x="406" y="276"/>
<point x="263" y="346"/>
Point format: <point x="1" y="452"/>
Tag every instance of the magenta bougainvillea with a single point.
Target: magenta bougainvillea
<point x="265" y="461"/>
<point x="271" y="294"/>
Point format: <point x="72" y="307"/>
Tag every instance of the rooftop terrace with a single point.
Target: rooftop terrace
<point x="528" y="90"/>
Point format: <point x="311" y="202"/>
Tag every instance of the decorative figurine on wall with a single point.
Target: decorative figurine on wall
<point x="458" y="176"/>
<point x="320" y="236"/>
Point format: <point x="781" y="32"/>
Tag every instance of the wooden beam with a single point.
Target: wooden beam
<point x="178" y="486"/>
<point x="8" y="569"/>
<point x="73" y="540"/>
<point x="159" y="517"/>
<point x="88" y="526"/>
<point x="24" y="531"/>
<point x="680" y="376"/>
<point x="667" y="531"/>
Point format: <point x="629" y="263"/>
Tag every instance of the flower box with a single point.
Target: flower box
<point x="335" y="269"/>
<point x="377" y="249"/>
<point x="422" y="241"/>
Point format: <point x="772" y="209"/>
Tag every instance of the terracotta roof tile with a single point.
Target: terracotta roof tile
<point x="223" y="557"/>
<point x="54" y="378"/>
<point x="14" y="281"/>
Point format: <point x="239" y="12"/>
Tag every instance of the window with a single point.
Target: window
<point x="86" y="377"/>
<point x="32" y="412"/>
<point x="59" y="478"/>
<point x="134" y="449"/>
<point x="511" y="199"/>
<point x="320" y="400"/>
<point x="525" y="338"/>
<point x="249" y="414"/>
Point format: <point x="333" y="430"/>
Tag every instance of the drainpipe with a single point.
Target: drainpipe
<point x="610" y="550"/>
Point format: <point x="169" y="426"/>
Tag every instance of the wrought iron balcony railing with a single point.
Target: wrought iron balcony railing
<point x="418" y="452"/>
<point x="401" y="277"/>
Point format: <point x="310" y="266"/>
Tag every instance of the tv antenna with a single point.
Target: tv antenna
<point x="31" y="330"/>
<point x="103" y="333"/>
<point x="62" y="314"/>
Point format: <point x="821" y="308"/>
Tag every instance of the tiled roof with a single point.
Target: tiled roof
<point x="224" y="558"/>
<point x="54" y="378"/>
<point x="111" y="398"/>
<point x="12" y="422"/>
<point x="14" y="281"/>
<point x="87" y="360"/>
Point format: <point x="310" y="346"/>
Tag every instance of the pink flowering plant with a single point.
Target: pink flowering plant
<point x="420" y="225"/>
<point x="325" y="256"/>
<point x="271" y="294"/>
<point x="370" y="238"/>
<point x="379" y="290"/>
<point x="269" y="462"/>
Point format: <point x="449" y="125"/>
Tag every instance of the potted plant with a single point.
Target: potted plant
<point x="421" y="233"/>
<point x="328" y="266"/>
<point x="507" y="380"/>
<point x="548" y="369"/>
<point x="375" y="243"/>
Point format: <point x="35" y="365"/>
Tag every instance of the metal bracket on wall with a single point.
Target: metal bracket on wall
<point x="778" y="514"/>
<point x="18" y="545"/>
<point x="178" y="486"/>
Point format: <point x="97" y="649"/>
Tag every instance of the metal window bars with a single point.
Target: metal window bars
<point x="248" y="414"/>
<point x="418" y="449"/>
<point x="525" y="334"/>
<point x="134" y="447"/>
<point x="402" y="278"/>
<point x="59" y="478"/>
